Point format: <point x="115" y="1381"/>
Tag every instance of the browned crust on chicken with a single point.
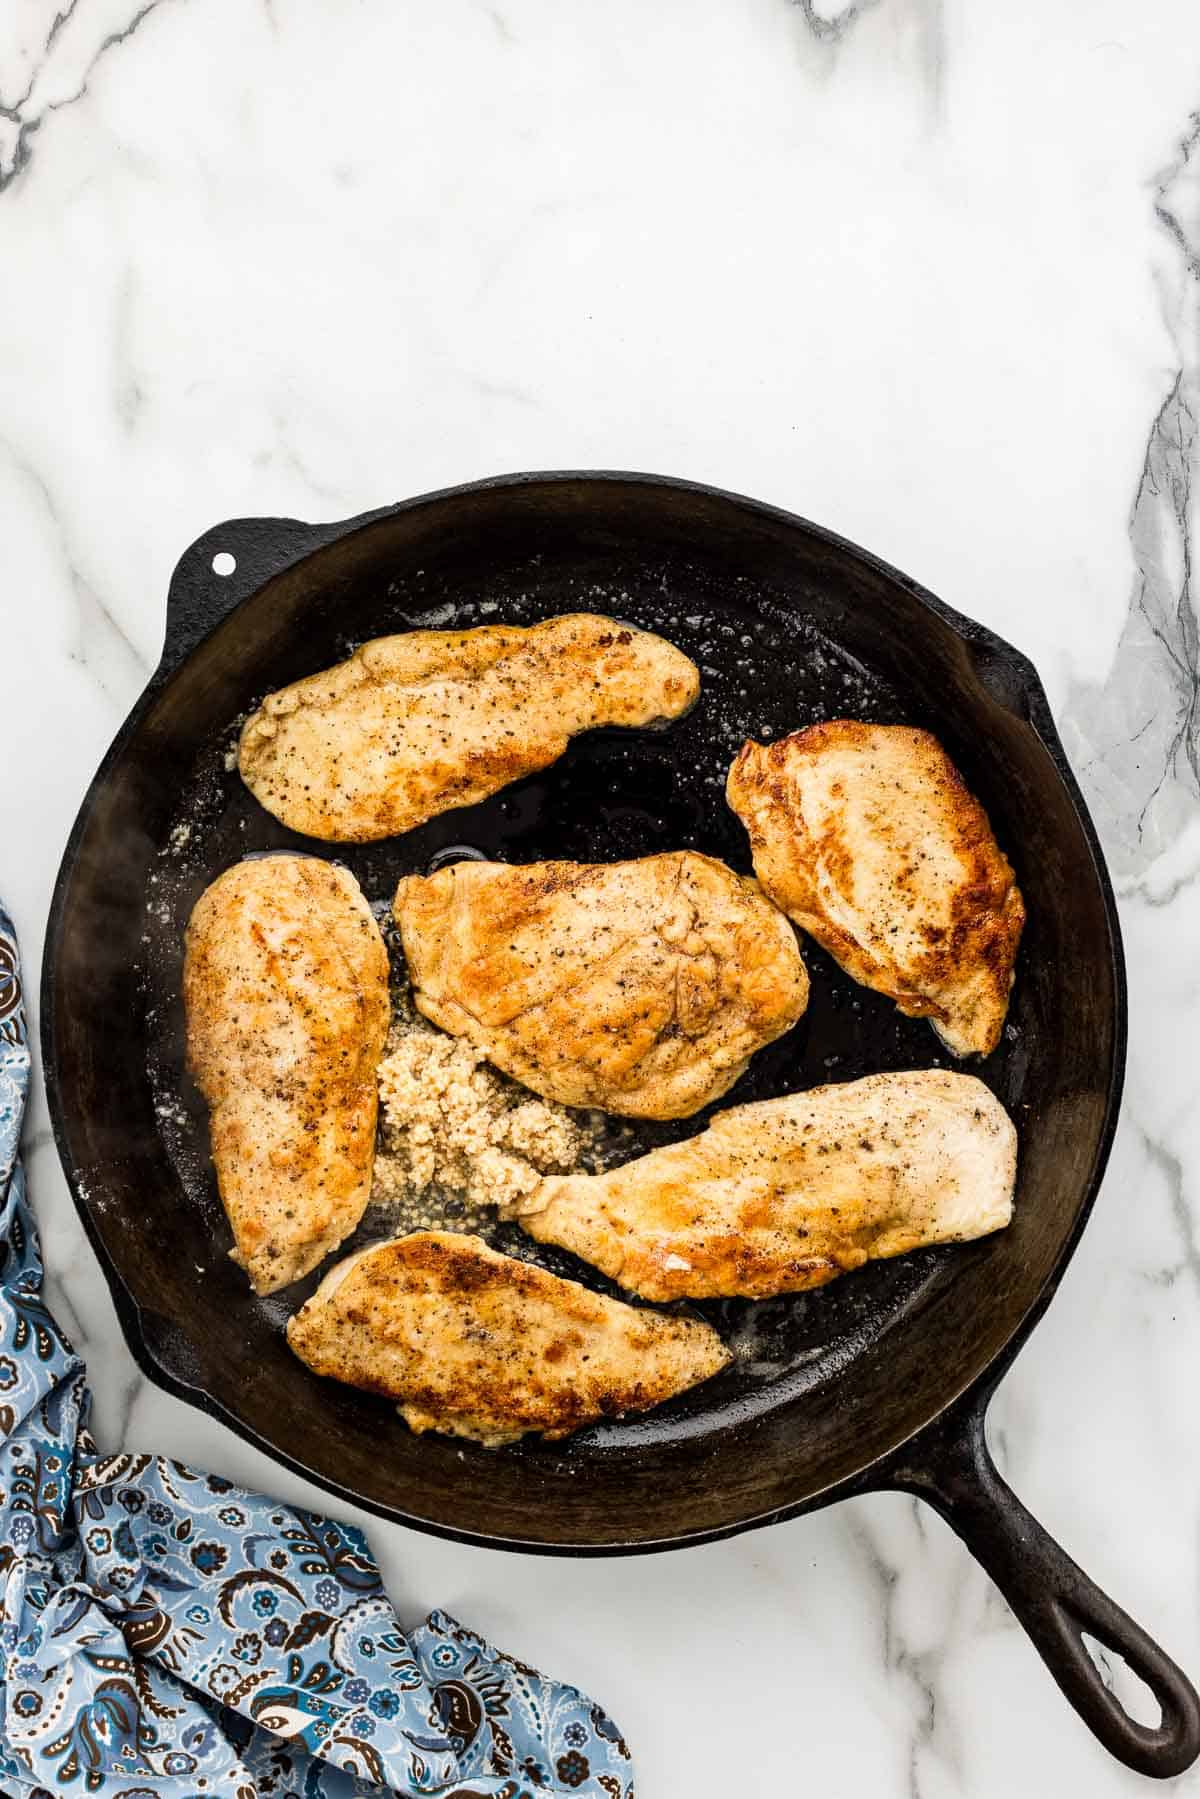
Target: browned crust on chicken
<point x="416" y="724"/>
<point x="786" y="1194"/>
<point x="285" y="985"/>
<point x="481" y="1345"/>
<point x="867" y="836"/>
<point x="642" y="987"/>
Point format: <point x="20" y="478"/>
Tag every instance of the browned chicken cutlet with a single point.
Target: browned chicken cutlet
<point x="477" y="1344"/>
<point x="414" y="725"/>
<point x="786" y="1194"/>
<point x="867" y="837"/>
<point x="640" y="987"/>
<point x="285" y="984"/>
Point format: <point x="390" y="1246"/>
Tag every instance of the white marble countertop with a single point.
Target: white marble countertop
<point x="927" y="271"/>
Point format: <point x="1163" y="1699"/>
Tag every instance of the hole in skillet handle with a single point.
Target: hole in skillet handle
<point x="1064" y="1612"/>
<point x="1137" y="1698"/>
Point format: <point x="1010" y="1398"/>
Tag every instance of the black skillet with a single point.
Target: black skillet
<point x="880" y="1381"/>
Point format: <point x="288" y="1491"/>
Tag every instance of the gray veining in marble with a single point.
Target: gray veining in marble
<point x="1136" y="740"/>
<point x="59" y="69"/>
<point x="101" y="644"/>
<point x="921" y="23"/>
<point x="831" y="23"/>
<point x="1163" y="1161"/>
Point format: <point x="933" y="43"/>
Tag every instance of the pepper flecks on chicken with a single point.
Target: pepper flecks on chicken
<point x="416" y="724"/>
<point x="867" y="837"/>
<point x="482" y="1345"/>
<point x="641" y="987"/>
<point x="754" y="1206"/>
<point x="285" y="986"/>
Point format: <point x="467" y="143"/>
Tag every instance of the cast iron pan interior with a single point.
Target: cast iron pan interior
<point x="788" y="625"/>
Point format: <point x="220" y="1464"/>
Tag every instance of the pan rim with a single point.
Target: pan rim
<point x="873" y="1473"/>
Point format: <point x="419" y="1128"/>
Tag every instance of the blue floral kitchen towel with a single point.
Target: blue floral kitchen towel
<point x="163" y="1632"/>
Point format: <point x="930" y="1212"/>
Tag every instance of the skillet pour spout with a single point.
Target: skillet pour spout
<point x="877" y="1380"/>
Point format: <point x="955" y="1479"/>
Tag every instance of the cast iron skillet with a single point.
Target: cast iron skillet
<point x="879" y="1381"/>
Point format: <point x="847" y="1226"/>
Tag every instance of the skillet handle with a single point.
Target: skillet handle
<point x="951" y="1468"/>
<point x="201" y="596"/>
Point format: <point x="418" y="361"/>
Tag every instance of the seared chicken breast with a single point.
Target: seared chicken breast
<point x="789" y="1193"/>
<point x="482" y="1345"/>
<point x="640" y="987"/>
<point x="868" y="839"/>
<point x="413" y="725"/>
<point x="285" y="983"/>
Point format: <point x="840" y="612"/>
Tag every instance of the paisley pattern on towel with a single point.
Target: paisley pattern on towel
<point x="164" y="1632"/>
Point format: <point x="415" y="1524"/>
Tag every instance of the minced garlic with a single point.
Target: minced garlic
<point x="449" y="1122"/>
